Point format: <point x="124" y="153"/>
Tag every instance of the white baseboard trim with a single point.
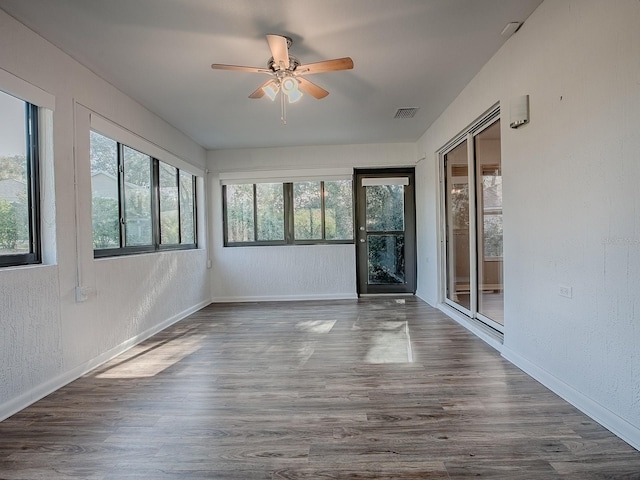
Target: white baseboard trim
<point x="605" y="417"/>
<point x="22" y="401"/>
<point x="487" y="334"/>
<point x="423" y="297"/>
<point x="285" y="298"/>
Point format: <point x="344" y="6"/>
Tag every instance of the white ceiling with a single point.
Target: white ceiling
<point x="406" y="53"/>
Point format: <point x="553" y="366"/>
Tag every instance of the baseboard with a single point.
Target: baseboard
<point x="285" y="298"/>
<point x="605" y="417"/>
<point x="425" y="298"/>
<point x="14" y="405"/>
<point x="483" y="332"/>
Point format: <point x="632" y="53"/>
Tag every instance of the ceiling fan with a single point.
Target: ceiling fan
<point x="287" y="73"/>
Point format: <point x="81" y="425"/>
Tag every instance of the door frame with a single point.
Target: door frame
<point x="468" y="134"/>
<point x="410" y="253"/>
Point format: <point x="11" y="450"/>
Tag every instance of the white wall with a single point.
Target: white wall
<point x="571" y="201"/>
<point x="293" y="272"/>
<point x="46" y="337"/>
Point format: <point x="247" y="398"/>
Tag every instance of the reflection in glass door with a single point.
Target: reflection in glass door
<point x="384" y="207"/>
<point x="385" y="231"/>
<point x="472" y="197"/>
<point x="457" y="205"/>
<point x="488" y="177"/>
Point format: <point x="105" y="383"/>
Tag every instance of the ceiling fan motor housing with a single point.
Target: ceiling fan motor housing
<point x="294" y="63"/>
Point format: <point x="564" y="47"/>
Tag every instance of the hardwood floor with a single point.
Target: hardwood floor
<point x="377" y="388"/>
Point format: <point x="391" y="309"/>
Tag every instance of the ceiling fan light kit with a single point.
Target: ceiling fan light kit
<point x="287" y="72"/>
<point x="290" y="87"/>
<point x="271" y="89"/>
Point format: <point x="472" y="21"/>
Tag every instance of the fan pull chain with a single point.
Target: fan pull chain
<point x="283" y="109"/>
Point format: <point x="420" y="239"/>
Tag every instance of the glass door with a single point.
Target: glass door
<point x="473" y="261"/>
<point x="385" y="240"/>
<point x="458" y="253"/>
<point x="488" y="178"/>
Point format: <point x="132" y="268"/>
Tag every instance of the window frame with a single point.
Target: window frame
<point x="472" y="308"/>
<point x="323" y="201"/>
<point x="288" y="220"/>
<point x="155" y="245"/>
<point x="254" y="242"/>
<point x="177" y="246"/>
<point x="34" y="256"/>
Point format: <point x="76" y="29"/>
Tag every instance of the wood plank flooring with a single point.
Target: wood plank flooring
<point x="377" y="388"/>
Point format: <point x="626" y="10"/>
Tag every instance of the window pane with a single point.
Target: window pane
<point x="488" y="171"/>
<point x="169" y="222"/>
<point x="307" y="211"/>
<point x="338" y="210"/>
<point x="385" y="208"/>
<point x="104" y="192"/>
<point x="14" y="191"/>
<point x="187" y="209"/>
<point x="386" y="259"/>
<point x="239" y="204"/>
<point x="270" y="211"/>
<point x="457" y="218"/>
<point x="492" y="226"/>
<point x="491" y="196"/>
<point x="137" y="198"/>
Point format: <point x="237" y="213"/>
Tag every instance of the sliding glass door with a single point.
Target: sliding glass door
<point x="458" y="227"/>
<point x="473" y="261"/>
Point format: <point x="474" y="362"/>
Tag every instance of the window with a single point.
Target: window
<point x="269" y="208"/>
<point x="19" y="184"/>
<point x="323" y="210"/>
<point x="105" y="195"/>
<point x="491" y="196"/>
<point x="187" y="193"/>
<point x="177" y="207"/>
<point x="140" y="204"/>
<point x="254" y="213"/>
<point x="169" y="205"/>
<point x="288" y="213"/>
<point x="240" y="218"/>
<point x="137" y="197"/>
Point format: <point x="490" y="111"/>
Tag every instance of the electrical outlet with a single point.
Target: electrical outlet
<point x="565" y="291"/>
<point x="83" y="293"/>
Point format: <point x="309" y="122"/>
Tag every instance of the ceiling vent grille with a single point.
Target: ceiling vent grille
<point x="406" y="112"/>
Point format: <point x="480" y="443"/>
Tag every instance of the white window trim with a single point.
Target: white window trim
<point x="286" y="176"/>
<point x="130" y="139"/>
<point x="16" y="86"/>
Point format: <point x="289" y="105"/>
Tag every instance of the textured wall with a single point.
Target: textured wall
<point x="570" y="201"/>
<point x="46" y="338"/>
<point x="134" y="294"/>
<point x="285" y="273"/>
<point x="30" y="329"/>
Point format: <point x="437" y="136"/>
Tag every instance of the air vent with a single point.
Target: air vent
<point x="405" y="113"/>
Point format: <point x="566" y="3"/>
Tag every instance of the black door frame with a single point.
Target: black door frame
<point x="410" y="253"/>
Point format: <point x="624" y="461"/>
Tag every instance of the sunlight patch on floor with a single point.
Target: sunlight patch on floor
<point x="154" y="360"/>
<point x="390" y="343"/>
<point x="316" y="326"/>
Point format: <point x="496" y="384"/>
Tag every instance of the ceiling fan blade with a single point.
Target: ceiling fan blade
<point x="262" y="90"/>
<point x="279" y="50"/>
<point x="325" y="66"/>
<point x="259" y="93"/>
<point x="238" y="68"/>
<point x="311" y="88"/>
